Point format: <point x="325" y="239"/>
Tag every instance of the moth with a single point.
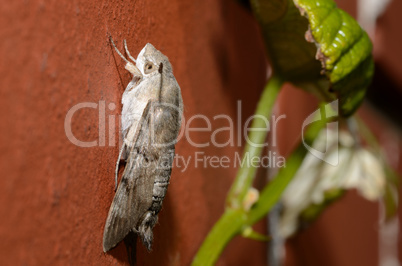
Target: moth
<point x="150" y="123"/>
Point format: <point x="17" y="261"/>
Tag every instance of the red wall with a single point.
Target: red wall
<point x="54" y="196"/>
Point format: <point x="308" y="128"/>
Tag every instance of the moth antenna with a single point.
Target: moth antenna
<point x="117" y="50"/>
<point x="128" y="53"/>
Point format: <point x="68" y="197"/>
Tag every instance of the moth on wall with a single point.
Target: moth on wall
<point x="151" y="119"/>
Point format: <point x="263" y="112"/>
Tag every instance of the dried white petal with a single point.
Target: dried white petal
<point x="358" y="168"/>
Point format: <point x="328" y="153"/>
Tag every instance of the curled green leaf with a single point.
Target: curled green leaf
<point x="333" y="37"/>
<point x="343" y="48"/>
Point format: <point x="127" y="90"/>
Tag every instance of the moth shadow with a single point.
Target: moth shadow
<point x="120" y="253"/>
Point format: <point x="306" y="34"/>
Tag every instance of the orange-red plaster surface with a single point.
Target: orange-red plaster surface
<point x="54" y="195"/>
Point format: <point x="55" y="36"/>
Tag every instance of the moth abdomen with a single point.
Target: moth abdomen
<point x="159" y="193"/>
<point x="162" y="183"/>
<point x="145" y="228"/>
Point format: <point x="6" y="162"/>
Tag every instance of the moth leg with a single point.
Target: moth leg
<point x="117" y="165"/>
<point x="128" y="53"/>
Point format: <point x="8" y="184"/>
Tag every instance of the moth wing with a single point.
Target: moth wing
<point x="134" y="193"/>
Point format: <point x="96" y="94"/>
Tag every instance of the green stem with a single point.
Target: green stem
<point x="254" y="146"/>
<point x="233" y="221"/>
<point x="271" y="194"/>
<point x="223" y="231"/>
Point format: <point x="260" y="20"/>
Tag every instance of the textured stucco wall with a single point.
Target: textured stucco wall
<point x="54" y="196"/>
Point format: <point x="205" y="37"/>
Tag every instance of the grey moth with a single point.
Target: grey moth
<point x="151" y="119"/>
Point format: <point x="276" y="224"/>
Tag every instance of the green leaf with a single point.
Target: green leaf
<point x="283" y="29"/>
<point x="333" y="37"/>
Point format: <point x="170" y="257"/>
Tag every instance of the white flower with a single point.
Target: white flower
<point x="358" y="168"/>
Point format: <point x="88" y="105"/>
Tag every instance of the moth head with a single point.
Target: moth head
<point x="152" y="62"/>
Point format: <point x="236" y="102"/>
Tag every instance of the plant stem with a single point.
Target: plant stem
<point x="255" y="143"/>
<point x="234" y="220"/>
<point x="271" y="194"/>
<point x="223" y="231"/>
